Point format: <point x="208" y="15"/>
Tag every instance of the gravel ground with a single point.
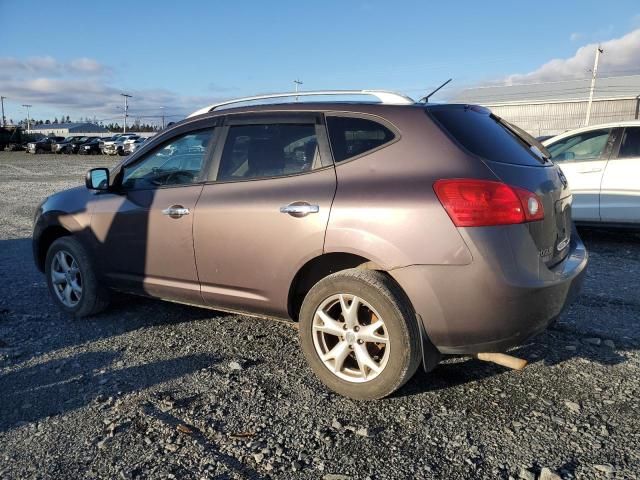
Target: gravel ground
<point x="158" y="390"/>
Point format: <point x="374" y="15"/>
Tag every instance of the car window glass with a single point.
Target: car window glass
<point x="630" y="146"/>
<point x="177" y="162"/>
<point x="352" y="136"/>
<point x="270" y="150"/>
<point x="583" y="146"/>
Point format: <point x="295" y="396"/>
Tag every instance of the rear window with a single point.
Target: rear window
<point x="351" y="136"/>
<point x="483" y="135"/>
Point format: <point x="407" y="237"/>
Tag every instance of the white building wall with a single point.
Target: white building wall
<point x="552" y="118"/>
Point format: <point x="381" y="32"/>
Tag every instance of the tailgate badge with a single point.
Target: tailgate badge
<point x="563" y="179"/>
<point x="563" y="243"/>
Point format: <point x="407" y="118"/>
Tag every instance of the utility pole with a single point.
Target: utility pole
<point x="297" y="83"/>
<point x="162" y="108"/>
<point x="126" y="109"/>
<point x="593" y="84"/>
<point x="4" y="120"/>
<point x="28" y="117"/>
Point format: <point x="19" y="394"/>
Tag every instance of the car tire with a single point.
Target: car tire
<point x="68" y="257"/>
<point x="39" y="150"/>
<point x="380" y="299"/>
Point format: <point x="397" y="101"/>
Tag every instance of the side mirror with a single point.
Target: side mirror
<point x="97" y="179"/>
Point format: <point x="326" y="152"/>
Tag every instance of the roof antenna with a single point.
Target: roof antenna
<point x="425" y="99"/>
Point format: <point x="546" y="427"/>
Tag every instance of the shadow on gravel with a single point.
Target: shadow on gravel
<point x="608" y="237"/>
<point x="204" y="442"/>
<point x="61" y="386"/>
<point x="25" y="301"/>
<point x="552" y="347"/>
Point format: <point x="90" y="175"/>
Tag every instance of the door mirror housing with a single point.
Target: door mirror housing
<point x="97" y="179"/>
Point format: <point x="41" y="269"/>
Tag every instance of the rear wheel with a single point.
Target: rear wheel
<point x="72" y="280"/>
<point x="359" y="334"/>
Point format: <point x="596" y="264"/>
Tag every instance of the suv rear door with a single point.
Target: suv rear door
<point x="264" y="213"/>
<point x="620" y="192"/>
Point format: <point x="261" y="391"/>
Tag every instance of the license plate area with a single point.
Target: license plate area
<point x="563" y="225"/>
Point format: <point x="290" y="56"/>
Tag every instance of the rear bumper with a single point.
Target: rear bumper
<point x="499" y="300"/>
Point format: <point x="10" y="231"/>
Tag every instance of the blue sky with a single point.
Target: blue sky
<point x="74" y="57"/>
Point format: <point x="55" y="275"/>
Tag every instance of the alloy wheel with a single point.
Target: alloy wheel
<point x="66" y="278"/>
<point x="350" y="338"/>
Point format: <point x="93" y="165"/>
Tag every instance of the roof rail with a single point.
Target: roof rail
<point x="390" y="98"/>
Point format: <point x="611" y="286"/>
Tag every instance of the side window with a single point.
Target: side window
<point x="630" y="146"/>
<point x="269" y="150"/>
<point x="352" y="136"/>
<point x="178" y="162"/>
<point x="583" y="146"/>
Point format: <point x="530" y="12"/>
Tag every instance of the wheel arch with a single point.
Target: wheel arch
<point x="47" y="237"/>
<point x="318" y="268"/>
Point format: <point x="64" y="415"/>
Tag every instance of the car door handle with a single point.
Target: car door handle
<point x="299" y="209"/>
<point x="591" y="170"/>
<point x="175" y="211"/>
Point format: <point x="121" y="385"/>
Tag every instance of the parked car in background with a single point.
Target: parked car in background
<point x="602" y="165"/>
<point x="393" y="232"/>
<point x="90" y="147"/>
<point x="75" y="146"/>
<point x="62" y="145"/>
<point x="104" y="140"/>
<point x="15" y="147"/>
<point x="70" y="144"/>
<point x="116" y="147"/>
<point x="132" y="145"/>
<point x="43" y="145"/>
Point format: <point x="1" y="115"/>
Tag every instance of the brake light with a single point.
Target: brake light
<point x="477" y="203"/>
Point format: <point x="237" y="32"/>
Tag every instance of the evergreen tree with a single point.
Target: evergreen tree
<point x="55" y="120"/>
<point x="68" y="119"/>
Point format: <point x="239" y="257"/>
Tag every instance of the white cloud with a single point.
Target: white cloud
<point x="621" y="56"/>
<point x="84" y="86"/>
<point x="87" y="65"/>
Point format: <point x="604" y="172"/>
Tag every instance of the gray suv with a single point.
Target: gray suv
<point x="392" y="231"/>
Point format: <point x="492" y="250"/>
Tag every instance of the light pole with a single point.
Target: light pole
<point x="162" y="108"/>
<point x="28" y="116"/>
<point x="4" y="120"/>
<point x="297" y="83"/>
<point x="126" y="108"/>
<point x="593" y="85"/>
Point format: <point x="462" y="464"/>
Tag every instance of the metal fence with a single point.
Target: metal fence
<point x="552" y="118"/>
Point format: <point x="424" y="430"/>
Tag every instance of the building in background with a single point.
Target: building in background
<point x="70" y="129"/>
<point x="555" y="107"/>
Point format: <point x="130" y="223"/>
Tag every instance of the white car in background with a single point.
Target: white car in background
<point x="602" y="165"/>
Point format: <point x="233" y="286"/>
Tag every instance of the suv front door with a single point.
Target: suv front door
<point x="620" y="193"/>
<point x="582" y="158"/>
<point x="265" y="212"/>
<point x="143" y="229"/>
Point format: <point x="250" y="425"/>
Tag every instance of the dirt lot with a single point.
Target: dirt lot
<point x="157" y="390"/>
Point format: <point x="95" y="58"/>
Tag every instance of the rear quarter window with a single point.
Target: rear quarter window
<point x="352" y="136"/>
<point x="482" y="135"/>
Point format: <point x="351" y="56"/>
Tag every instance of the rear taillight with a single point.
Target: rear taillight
<point x="478" y="203"/>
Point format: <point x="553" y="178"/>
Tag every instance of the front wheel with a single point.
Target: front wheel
<point x="72" y="280"/>
<point x="359" y="334"/>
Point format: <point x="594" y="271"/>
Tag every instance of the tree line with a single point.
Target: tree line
<point x="136" y="126"/>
